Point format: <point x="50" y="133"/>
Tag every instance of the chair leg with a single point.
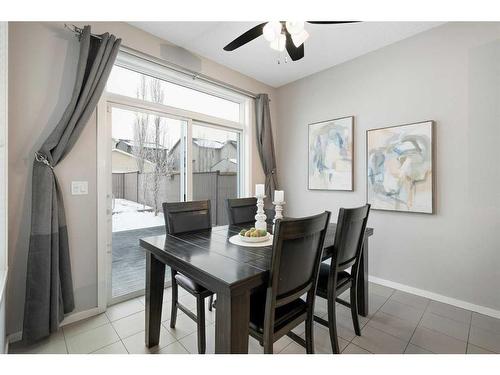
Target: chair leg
<point x="210" y="302"/>
<point x="332" y="326"/>
<point x="200" y="314"/>
<point x="310" y="333"/>
<point x="268" y="346"/>
<point x="354" y="308"/>
<point x="175" y="293"/>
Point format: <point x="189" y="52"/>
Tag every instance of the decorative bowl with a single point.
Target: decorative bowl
<point x="255" y="239"/>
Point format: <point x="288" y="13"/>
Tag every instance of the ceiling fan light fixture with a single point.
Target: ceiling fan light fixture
<point x="272" y="30"/>
<point x="299" y="38"/>
<point x="279" y="43"/>
<point x="294" y="27"/>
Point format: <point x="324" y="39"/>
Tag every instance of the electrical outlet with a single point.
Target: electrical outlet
<point x="79" y="187"/>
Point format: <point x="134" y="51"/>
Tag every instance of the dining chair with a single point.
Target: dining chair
<point x="277" y="308"/>
<point x="243" y="211"/>
<point x="184" y="217"/>
<point x="333" y="279"/>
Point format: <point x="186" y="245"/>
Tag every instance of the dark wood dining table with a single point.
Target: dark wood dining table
<point x="229" y="270"/>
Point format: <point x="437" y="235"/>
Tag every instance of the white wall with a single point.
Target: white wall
<point x="42" y="60"/>
<point x="449" y="74"/>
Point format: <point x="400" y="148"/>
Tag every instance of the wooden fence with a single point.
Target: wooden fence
<point x="215" y="186"/>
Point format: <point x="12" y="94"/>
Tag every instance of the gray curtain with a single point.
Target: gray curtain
<point x="49" y="285"/>
<point x="265" y="145"/>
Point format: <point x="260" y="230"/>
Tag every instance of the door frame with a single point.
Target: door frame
<point x="104" y="184"/>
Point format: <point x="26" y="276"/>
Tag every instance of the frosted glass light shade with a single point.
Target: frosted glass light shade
<point x="300" y="38"/>
<point x="271" y="31"/>
<point x="294" y="27"/>
<point x="279" y="43"/>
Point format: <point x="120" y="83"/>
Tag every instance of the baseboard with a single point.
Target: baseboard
<point x="437" y="297"/>
<point x="72" y="318"/>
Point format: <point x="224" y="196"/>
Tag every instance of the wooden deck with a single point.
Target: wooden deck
<point x="129" y="260"/>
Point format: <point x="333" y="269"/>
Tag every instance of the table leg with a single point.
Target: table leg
<point x="232" y="317"/>
<point x="155" y="282"/>
<point x="363" y="281"/>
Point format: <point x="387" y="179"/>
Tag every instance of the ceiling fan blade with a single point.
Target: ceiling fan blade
<point x="330" y="22"/>
<point x="296" y="53"/>
<point x="246" y="37"/>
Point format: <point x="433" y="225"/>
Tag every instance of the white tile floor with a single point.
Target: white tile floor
<point x="399" y="322"/>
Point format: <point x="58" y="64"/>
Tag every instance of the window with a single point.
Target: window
<point x="123" y="81"/>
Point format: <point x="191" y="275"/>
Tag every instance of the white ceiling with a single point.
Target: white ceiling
<point x="328" y="45"/>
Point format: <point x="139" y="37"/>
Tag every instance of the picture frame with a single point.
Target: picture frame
<point x="331" y="155"/>
<point x="400" y="167"/>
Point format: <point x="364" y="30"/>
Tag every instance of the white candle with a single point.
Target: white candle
<point x="279" y="196"/>
<point x="259" y="190"/>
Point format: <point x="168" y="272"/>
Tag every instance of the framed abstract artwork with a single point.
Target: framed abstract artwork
<point x="331" y="154"/>
<point x="400" y="170"/>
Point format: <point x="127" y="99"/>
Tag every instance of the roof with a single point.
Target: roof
<point x="133" y="143"/>
<point x="207" y="143"/>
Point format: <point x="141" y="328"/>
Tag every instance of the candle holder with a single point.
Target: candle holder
<point x="260" y="218"/>
<point x="278" y="209"/>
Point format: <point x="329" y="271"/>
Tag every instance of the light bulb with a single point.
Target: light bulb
<point x="271" y="30"/>
<point x="294" y="27"/>
<point x="299" y="38"/>
<point x="279" y="43"/>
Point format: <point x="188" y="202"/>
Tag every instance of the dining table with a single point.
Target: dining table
<point x="230" y="271"/>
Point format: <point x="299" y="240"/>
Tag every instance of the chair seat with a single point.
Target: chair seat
<point x="343" y="278"/>
<point x="189" y="284"/>
<point x="283" y="315"/>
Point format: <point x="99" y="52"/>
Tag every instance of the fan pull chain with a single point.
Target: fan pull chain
<point x="285" y="59"/>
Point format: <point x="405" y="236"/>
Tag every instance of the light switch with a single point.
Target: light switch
<point x="79" y="187"/>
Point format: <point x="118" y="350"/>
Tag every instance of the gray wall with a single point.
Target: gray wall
<point x="449" y="74"/>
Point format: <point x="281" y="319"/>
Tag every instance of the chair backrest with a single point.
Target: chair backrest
<point x="349" y="236"/>
<point x="297" y="249"/>
<point x="241" y="210"/>
<point x="182" y="217"/>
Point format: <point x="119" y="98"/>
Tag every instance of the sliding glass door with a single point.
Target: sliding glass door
<point x="167" y="138"/>
<point x="147" y="169"/>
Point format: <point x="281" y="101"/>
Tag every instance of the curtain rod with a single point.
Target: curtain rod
<point x="194" y="75"/>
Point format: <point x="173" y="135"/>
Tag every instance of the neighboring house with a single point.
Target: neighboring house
<point x="209" y="156"/>
<point x="130" y="146"/>
<point x="123" y="162"/>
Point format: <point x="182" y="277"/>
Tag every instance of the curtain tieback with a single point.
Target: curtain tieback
<point x="41" y="158"/>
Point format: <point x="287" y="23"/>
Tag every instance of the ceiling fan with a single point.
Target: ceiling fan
<point x="281" y="35"/>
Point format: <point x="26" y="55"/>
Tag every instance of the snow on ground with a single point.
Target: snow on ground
<point x="128" y="215"/>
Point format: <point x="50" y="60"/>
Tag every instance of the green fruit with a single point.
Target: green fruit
<point x="254" y="234"/>
<point x="262" y="232"/>
<point x="243" y="231"/>
<point x="252" y="229"/>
